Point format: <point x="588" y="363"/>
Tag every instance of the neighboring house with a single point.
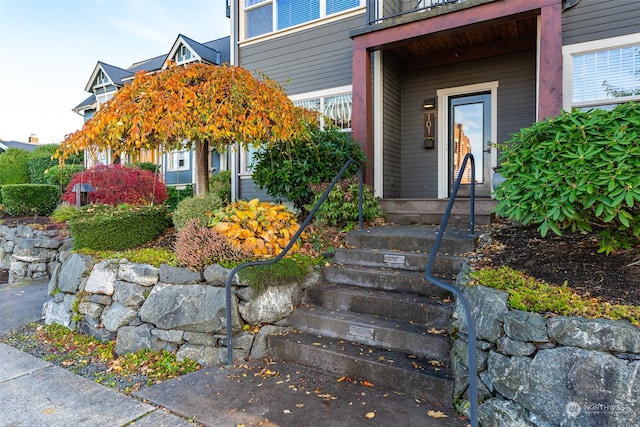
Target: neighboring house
<point x="106" y="80"/>
<point x="29" y="146"/>
<point x="407" y="77"/>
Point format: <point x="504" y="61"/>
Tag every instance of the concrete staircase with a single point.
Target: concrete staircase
<point x="430" y="211"/>
<point x="376" y="317"/>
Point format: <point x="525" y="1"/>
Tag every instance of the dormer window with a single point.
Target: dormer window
<point x="102" y="79"/>
<point x="182" y="55"/>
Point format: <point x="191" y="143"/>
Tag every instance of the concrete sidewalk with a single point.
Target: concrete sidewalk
<point x="35" y="393"/>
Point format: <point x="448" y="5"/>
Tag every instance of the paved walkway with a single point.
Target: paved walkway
<point x="35" y="393"/>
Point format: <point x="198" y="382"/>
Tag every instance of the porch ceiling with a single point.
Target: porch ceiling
<point x="469" y="43"/>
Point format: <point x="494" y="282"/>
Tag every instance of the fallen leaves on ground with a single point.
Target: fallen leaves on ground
<point x="437" y="414"/>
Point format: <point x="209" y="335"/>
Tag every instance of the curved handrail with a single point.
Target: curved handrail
<point x="295" y="237"/>
<point x="471" y="327"/>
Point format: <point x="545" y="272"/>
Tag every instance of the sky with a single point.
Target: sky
<point x="49" y="49"/>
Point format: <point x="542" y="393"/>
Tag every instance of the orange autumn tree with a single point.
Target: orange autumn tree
<point x="193" y="106"/>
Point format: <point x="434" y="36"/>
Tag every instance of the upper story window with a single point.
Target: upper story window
<point x="265" y="16"/>
<point x="182" y="55"/>
<point x="102" y="79"/>
<point x="602" y="73"/>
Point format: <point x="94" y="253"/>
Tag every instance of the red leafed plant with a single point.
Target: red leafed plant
<point x="197" y="246"/>
<point x="116" y="184"/>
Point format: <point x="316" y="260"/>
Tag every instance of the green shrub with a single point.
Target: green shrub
<point x="61" y="175"/>
<point x="287" y="169"/>
<point x="39" y="162"/>
<point x="198" y="207"/>
<point x="176" y="195"/>
<point x="104" y="227"/>
<point x="13" y="166"/>
<point x="576" y="171"/>
<point x="147" y="166"/>
<point x="220" y="184"/>
<point x="198" y="246"/>
<point x="30" y="199"/>
<point x="340" y="209"/>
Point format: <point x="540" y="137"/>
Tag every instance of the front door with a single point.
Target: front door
<point x="469" y="130"/>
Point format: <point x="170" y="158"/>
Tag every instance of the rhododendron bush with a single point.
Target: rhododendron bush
<point x="116" y="184"/>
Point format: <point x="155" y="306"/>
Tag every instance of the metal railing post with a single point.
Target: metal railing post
<point x="296" y="236"/>
<point x="471" y="326"/>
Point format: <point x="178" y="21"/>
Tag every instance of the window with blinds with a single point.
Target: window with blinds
<point x="259" y="14"/>
<point x="607" y="77"/>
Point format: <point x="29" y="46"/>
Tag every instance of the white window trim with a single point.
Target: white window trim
<point x="443" y="137"/>
<point x="187" y="157"/>
<point x="569" y="51"/>
<point x="324" y="93"/>
<point x="244" y="41"/>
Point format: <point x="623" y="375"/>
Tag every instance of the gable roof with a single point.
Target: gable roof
<point x="5" y="145"/>
<point x="216" y="52"/>
<point x="202" y="52"/>
<point x="115" y="74"/>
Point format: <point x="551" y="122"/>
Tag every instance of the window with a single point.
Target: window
<point x="182" y="55"/>
<point x="336" y="109"/>
<point x="101" y="79"/>
<point x="178" y="161"/>
<point x="246" y="159"/>
<point x="263" y="16"/>
<point x="603" y="73"/>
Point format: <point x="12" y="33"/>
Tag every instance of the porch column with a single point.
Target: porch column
<point x="362" y="117"/>
<point x="550" y="63"/>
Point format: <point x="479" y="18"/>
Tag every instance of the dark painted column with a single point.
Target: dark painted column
<point x="362" y="117"/>
<point x="550" y="67"/>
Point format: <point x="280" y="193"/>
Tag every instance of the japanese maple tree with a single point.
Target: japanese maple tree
<point x="192" y="106"/>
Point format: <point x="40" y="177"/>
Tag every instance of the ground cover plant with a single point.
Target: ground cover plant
<point x="95" y="360"/>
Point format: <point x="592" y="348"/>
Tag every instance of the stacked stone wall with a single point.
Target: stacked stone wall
<point x="31" y="255"/>
<point x="537" y="370"/>
<point x="170" y="308"/>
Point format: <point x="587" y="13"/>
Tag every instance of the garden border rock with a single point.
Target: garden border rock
<point x="546" y="371"/>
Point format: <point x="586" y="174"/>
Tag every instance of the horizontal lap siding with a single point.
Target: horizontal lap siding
<point x="516" y="76"/>
<point x="392" y="166"/>
<point x="307" y="60"/>
<point x="597" y="19"/>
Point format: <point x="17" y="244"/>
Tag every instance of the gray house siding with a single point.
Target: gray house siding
<point x="597" y="19"/>
<point x="392" y="165"/>
<point x="307" y="60"/>
<point x="516" y="109"/>
<point x="248" y="191"/>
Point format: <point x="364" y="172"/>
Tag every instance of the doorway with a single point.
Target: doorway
<point x="470" y="126"/>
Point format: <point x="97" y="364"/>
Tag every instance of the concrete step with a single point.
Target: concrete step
<point x="428" y="311"/>
<point x="408" y="238"/>
<point x="405" y="373"/>
<point x="431" y="211"/>
<point x="391" y="334"/>
<point x="413" y="261"/>
<point x="411" y="282"/>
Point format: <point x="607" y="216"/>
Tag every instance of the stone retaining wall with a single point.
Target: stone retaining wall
<point x="31" y="255"/>
<point x="546" y="371"/>
<point x="167" y="308"/>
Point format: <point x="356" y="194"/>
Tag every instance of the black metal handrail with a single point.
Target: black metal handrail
<point x="377" y="12"/>
<point x="295" y="237"/>
<point x="471" y="327"/>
